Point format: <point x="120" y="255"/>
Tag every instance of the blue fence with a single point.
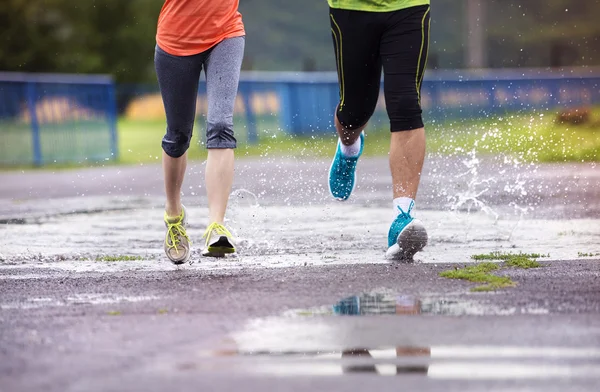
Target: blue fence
<point x="56" y="118"/>
<point x="60" y="118"/>
<point x="307" y="101"/>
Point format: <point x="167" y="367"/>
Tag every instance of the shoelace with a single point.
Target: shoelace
<point x="406" y="214"/>
<point x="218" y="228"/>
<point x="175" y="231"/>
<point x="346" y="163"/>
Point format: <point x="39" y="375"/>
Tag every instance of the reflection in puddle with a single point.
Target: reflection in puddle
<point x="448" y="371"/>
<point x="382" y="302"/>
<point x="76" y="299"/>
<point x="324" y="341"/>
<point x="441" y="362"/>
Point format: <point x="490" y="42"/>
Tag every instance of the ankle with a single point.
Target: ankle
<point x="351" y="150"/>
<point x="173" y="210"/>
<point x="404" y="205"/>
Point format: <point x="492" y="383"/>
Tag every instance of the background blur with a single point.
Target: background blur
<point x="531" y="57"/>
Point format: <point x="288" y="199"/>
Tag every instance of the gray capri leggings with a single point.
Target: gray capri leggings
<point x="178" y="78"/>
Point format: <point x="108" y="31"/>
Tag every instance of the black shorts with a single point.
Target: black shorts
<point x="365" y="42"/>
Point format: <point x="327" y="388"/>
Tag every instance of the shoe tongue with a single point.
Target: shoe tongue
<point x="173" y="219"/>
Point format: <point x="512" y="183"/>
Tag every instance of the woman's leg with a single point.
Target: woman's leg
<point x="222" y="77"/>
<point x="178" y="81"/>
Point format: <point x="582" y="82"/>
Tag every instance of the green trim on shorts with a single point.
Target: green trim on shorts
<point x="419" y="80"/>
<point x="376" y="5"/>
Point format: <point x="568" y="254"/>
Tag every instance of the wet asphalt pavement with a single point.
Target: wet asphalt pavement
<point x="310" y="303"/>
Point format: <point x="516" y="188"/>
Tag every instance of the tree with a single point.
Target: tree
<point x="103" y="36"/>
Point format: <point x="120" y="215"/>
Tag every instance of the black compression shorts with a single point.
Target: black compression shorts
<point x="364" y="42"/>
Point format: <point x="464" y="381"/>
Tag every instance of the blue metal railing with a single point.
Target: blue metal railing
<point x="303" y="103"/>
<point x="307" y="100"/>
<point x="56" y="118"/>
<point x="72" y="118"/>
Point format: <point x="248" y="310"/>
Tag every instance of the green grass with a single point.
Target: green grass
<point x="533" y="137"/>
<point x="473" y="273"/>
<point x="506" y="256"/>
<point x="582" y="254"/>
<point x="481" y="273"/>
<point x="522" y="262"/>
<point x="70" y="141"/>
<point x="530" y="137"/>
<point x="119" y="258"/>
<point x="140" y="142"/>
<point x="114" y="313"/>
<point x="519" y="260"/>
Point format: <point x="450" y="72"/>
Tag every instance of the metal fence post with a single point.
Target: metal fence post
<point x="250" y="117"/>
<point x="112" y="121"/>
<point x="286" y="120"/>
<point x="35" y="127"/>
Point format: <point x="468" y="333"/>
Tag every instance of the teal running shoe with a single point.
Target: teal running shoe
<point x="342" y="173"/>
<point x="406" y="237"/>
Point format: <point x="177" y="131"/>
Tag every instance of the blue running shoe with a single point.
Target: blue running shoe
<point x="406" y="237"/>
<point x="342" y="173"/>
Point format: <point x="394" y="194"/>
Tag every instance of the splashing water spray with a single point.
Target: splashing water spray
<point x="247" y="220"/>
<point x="469" y="199"/>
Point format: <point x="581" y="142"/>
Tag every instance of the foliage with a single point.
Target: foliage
<point x="117" y="36"/>
<point x="91" y="36"/>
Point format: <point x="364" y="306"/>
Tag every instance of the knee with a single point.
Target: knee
<point x="353" y="118"/>
<point x="220" y="135"/>
<point x="405" y="113"/>
<point x="176" y="142"/>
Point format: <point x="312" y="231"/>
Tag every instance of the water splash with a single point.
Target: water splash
<point x="470" y="199"/>
<point x="247" y="221"/>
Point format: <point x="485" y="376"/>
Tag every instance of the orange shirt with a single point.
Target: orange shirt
<point x="188" y="27"/>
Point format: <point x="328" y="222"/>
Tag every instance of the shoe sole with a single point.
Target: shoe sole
<point x="410" y="241"/>
<point x="219" y="248"/>
<point x="182" y="261"/>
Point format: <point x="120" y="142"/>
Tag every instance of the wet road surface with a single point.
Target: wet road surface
<point x="310" y="303"/>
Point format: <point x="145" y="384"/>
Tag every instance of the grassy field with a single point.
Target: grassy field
<point x="535" y="137"/>
<point x="60" y="142"/>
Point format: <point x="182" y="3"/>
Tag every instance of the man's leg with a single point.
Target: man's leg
<point x="222" y="77"/>
<point x="178" y="81"/>
<point x="407" y="153"/>
<point x="404" y="48"/>
<point x="347" y="137"/>
<point x="356" y="37"/>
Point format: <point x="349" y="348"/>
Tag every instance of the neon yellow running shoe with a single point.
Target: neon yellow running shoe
<point x="177" y="243"/>
<point x="219" y="241"/>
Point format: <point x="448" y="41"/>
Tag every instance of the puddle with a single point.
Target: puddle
<point x="280" y="237"/>
<point x="302" y="332"/>
<point x="447" y="371"/>
<point x="312" y="331"/>
<point x="284" y="217"/>
<point x="76" y="299"/>
<point x="382" y="302"/>
<point x="356" y="335"/>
